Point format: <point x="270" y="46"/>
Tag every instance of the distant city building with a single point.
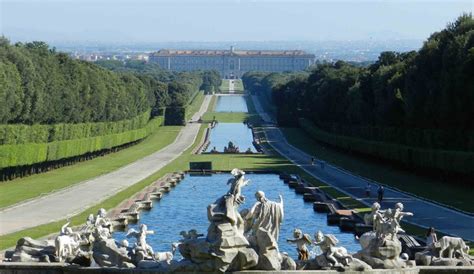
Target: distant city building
<point x="233" y="63"/>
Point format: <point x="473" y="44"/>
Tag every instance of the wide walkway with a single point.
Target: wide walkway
<point x="426" y="213"/>
<point x="75" y="199"/>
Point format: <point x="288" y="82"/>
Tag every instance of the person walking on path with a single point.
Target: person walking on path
<point x="367" y="190"/>
<point x="380" y="193"/>
<point x="312" y="161"/>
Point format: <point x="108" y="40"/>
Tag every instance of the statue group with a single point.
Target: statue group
<point x="237" y="239"/>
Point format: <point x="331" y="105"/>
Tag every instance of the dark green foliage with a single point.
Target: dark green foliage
<point x="422" y="100"/>
<point x="31" y="153"/>
<point x="211" y="81"/>
<point x="39" y="85"/>
<point x="24" y="134"/>
<point x="448" y="161"/>
<point x="175" y="116"/>
<point x="54" y="107"/>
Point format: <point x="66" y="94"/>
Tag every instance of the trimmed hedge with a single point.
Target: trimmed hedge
<point x="178" y="116"/>
<point x="31" y="153"/>
<point x="454" y="139"/>
<point x="25" y="134"/>
<point x="459" y="162"/>
<point x="175" y="116"/>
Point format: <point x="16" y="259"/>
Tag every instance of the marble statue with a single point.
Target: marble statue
<point x="448" y="251"/>
<point x="67" y="243"/>
<point x="265" y="218"/>
<point x="332" y="257"/>
<point x="267" y="215"/>
<point x="337" y="256"/>
<point x="225" y="248"/>
<point x="301" y="240"/>
<point x="102" y="221"/>
<point x="369" y="219"/>
<point x="141" y="244"/>
<point x="236" y="185"/>
<point x="381" y="247"/>
<point x="452" y="245"/>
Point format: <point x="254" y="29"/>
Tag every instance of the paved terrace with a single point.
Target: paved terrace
<point x="75" y="199"/>
<point x="426" y="213"/>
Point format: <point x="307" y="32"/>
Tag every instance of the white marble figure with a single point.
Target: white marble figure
<point x="301" y="240"/>
<point x="66" y="243"/>
<point x="387" y="223"/>
<point x="369" y="219"/>
<point x="452" y="245"/>
<point x="338" y="256"/>
<point x="266" y="214"/>
<point x="141" y="244"/>
<point x="164" y="257"/>
<point x="102" y="220"/>
<point x="236" y="185"/>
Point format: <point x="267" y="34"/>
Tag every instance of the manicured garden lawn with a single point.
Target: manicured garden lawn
<point x="18" y="190"/>
<point x="238" y="86"/>
<point x="430" y="188"/>
<point x="195" y="105"/>
<point x="224" y="86"/>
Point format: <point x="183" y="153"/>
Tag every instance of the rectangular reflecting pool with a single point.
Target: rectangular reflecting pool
<point x="237" y="133"/>
<point x="231" y="103"/>
<point x="185" y="208"/>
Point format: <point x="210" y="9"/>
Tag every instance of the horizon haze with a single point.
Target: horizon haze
<point x="144" y="21"/>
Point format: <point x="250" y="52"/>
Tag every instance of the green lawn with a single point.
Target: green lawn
<point x="195" y="105"/>
<point x="224" y="86"/>
<point x="430" y="188"/>
<point x="238" y="86"/>
<point x="18" y="190"/>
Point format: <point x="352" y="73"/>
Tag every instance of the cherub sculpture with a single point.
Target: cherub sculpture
<point x="141" y="245"/>
<point x="337" y="256"/>
<point x="387" y="223"/>
<point x="236" y="185"/>
<point x="301" y="240"/>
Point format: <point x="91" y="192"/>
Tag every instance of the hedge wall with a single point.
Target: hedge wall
<point x="25" y="134"/>
<point x="459" y="162"/>
<point x="31" y="153"/>
<point x="177" y="116"/>
<point x="455" y="139"/>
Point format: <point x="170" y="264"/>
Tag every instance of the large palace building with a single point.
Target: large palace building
<point x="233" y="63"/>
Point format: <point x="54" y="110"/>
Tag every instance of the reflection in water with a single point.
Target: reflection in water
<point x="185" y="208"/>
<point x="231" y="103"/>
<point x="237" y="133"/>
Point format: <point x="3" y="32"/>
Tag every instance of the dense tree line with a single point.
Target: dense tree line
<point x="56" y="110"/>
<point x="40" y="85"/>
<point x="422" y="98"/>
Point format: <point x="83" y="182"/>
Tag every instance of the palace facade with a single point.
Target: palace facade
<point x="233" y="63"/>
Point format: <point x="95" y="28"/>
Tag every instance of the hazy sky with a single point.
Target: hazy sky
<point x="224" y="20"/>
